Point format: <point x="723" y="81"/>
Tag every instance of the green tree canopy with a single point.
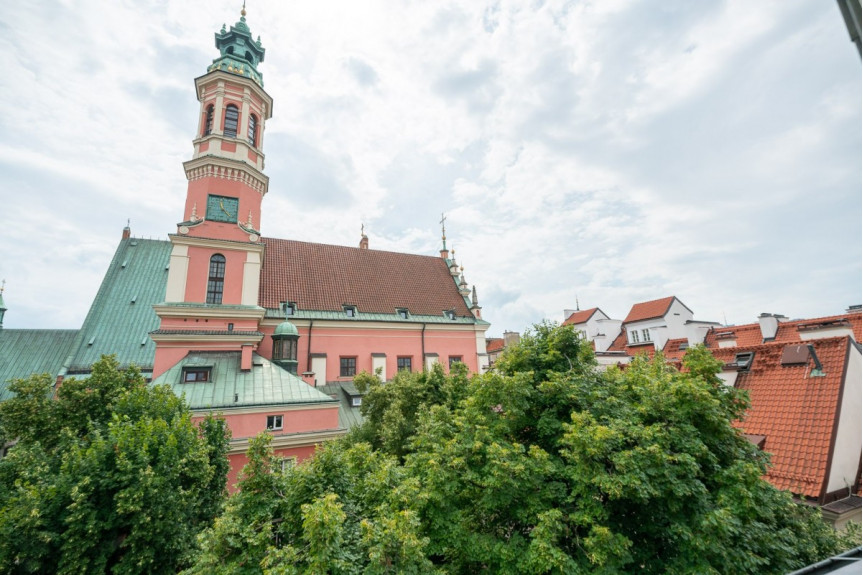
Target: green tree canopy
<point x="545" y="465"/>
<point x="112" y="476"/>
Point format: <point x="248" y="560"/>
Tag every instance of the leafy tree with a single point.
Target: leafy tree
<point x="344" y="511"/>
<point x="111" y="477"/>
<point x="545" y="465"/>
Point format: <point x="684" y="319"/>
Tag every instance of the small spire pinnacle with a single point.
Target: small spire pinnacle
<point x="362" y="229"/>
<point x="474" y="300"/>
<point x="194" y="216"/>
<point x="3" y="287"/>
<point x="576" y="304"/>
<point x="249" y="222"/>
<point x="243" y="11"/>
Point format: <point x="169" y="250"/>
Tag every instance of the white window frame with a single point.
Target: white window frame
<point x="633" y="336"/>
<point x="277" y="422"/>
<point x="645" y="334"/>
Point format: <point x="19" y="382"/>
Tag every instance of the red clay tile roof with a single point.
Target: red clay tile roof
<point x="745" y="335"/>
<point x="649" y="309"/>
<point x="672" y="348"/>
<point x="796" y="412"/>
<point x="493" y="344"/>
<point x="619" y="344"/>
<point x="324" y="277"/>
<point x="580" y="316"/>
<point x="789" y="330"/>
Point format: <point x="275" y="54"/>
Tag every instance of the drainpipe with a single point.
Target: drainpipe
<point x="309" y="353"/>
<point x="423" y="339"/>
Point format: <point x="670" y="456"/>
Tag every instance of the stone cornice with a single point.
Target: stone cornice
<point x="197" y="339"/>
<point x="208" y="311"/>
<point x="241" y="445"/>
<point x="182" y="240"/>
<point x="209" y="166"/>
<point x="264" y="409"/>
<point x="416" y="326"/>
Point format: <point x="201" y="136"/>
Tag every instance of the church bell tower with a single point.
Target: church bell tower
<point x="211" y="299"/>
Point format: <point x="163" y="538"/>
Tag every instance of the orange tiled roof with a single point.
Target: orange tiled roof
<point x="672" y="348"/>
<point x="794" y="411"/>
<point x="746" y="335"/>
<point x="493" y="344"/>
<point x="324" y="277"/>
<point x="578" y="317"/>
<point x="649" y="309"/>
<point x="789" y="330"/>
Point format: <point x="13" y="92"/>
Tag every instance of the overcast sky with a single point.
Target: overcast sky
<point x="609" y="151"/>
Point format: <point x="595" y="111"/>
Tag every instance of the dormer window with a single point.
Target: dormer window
<point x="633" y="336"/>
<point x="449" y="314"/>
<point x="645" y="334"/>
<point x="196" y="374"/>
<point x="350" y="310"/>
<point x="402" y="313"/>
<point x="290" y="308"/>
<point x="232" y="116"/>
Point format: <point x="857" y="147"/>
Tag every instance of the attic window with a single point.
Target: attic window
<point x="196" y="374"/>
<point x="796" y="354"/>
<point x="449" y="314"/>
<point x="350" y="310"/>
<point x="682" y="346"/>
<point x="356" y="401"/>
<point x="742" y="361"/>
<point x="402" y="312"/>
<point x="289" y="308"/>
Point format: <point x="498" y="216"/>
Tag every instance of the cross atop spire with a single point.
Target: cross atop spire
<point x="443" y="251"/>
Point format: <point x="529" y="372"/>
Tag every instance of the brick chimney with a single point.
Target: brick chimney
<point x="769" y="323"/>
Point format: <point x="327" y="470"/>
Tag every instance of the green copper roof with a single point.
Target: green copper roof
<point x="230" y="387"/>
<point x="121" y="316"/>
<point x="240" y="54"/>
<point x="24" y="352"/>
<point x="349" y="416"/>
<point x="286" y="328"/>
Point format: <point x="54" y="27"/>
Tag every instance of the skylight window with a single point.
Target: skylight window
<point x="196" y="374"/>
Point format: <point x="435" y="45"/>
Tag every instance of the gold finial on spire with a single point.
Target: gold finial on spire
<point x="243" y="11"/>
<point x="3" y="287"/>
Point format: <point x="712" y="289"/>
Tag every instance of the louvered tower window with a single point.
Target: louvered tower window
<point x="253" y="130"/>
<point x="231" y="117"/>
<point x="208" y="123"/>
<point x="216" y="281"/>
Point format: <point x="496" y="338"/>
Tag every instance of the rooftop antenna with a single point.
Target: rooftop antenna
<point x="443" y="229"/>
<point x="576" y="303"/>
<point x="724" y="319"/>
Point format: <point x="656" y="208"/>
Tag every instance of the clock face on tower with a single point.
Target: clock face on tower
<point x="222" y="209"/>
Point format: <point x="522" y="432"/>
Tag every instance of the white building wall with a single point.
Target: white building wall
<point x="846" y="452"/>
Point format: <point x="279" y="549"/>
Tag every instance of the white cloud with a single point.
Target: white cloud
<point x="618" y="151"/>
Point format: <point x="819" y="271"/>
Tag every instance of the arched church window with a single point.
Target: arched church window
<point x="216" y="280"/>
<point x="231" y="117"/>
<point x="208" y="124"/>
<point x="253" y="130"/>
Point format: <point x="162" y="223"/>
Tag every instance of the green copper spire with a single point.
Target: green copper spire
<point x="239" y="53"/>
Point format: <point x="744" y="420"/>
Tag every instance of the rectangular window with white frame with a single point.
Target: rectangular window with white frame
<point x="633" y="336"/>
<point x="645" y="334"/>
<point x="274" y="422"/>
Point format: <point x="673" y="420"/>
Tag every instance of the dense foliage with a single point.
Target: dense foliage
<point x="547" y="465"/>
<point x="111" y="476"/>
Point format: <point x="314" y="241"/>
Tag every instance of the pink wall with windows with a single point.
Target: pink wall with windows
<point x="238" y="460"/>
<point x="199" y="271"/>
<point x="245" y="425"/>
<point x="361" y="343"/>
